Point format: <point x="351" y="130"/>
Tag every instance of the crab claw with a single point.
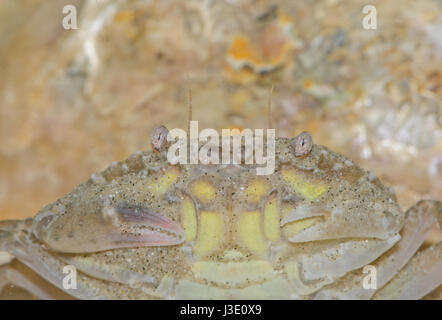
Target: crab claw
<point x="112" y="228"/>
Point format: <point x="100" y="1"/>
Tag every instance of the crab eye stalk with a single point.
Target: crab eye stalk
<point x="303" y="144"/>
<point x="158" y="138"/>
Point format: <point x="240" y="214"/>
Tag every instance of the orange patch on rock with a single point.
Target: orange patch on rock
<point x="270" y="51"/>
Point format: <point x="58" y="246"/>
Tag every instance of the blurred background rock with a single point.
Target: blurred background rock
<point x="73" y="101"/>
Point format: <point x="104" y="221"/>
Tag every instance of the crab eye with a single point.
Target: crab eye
<point x="158" y="138"/>
<point x="303" y="144"/>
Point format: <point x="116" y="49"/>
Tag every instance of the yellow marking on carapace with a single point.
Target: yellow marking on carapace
<point x="234" y="273"/>
<point x="271" y="219"/>
<point x="256" y="189"/>
<point x="188" y="219"/>
<point x="294" y="227"/>
<point x="250" y="232"/>
<point x="308" y="189"/>
<point x="211" y="233"/>
<point x="203" y="190"/>
<point x="164" y="182"/>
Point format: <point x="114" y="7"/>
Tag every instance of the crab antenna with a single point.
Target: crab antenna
<point x="190" y="111"/>
<point x="270" y="107"/>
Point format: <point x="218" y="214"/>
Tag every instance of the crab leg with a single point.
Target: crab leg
<point x="16" y="273"/>
<point x="3" y="277"/>
<point x="419" y="220"/>
<point x="308" y="272"/>
<point x="101" y="270"/>
<point x="22" y="244"/>
<point x="5" y="258"/>
<point x="24" y="247"/>
<point x="419" y="277"/>
<point x="435" y="294"/>
<point x="43" y="263"/>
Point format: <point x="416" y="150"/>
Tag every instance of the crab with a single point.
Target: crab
<point x="146" y="229"/>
